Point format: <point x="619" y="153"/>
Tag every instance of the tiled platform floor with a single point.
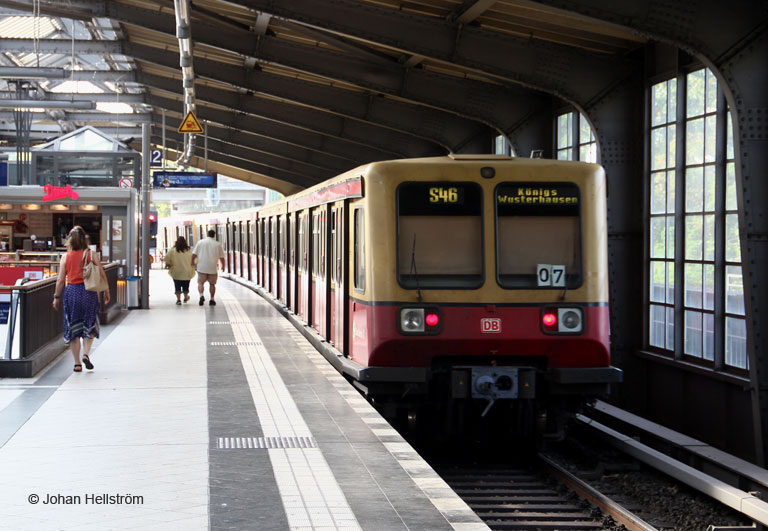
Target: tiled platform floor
<point x="208" y="417"/>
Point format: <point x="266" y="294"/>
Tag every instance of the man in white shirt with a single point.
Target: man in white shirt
<point x="205" y="256"/>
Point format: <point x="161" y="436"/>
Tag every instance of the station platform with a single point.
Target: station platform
<point x="212" y="417"/>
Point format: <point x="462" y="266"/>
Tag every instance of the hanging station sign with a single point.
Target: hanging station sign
<point x="184" y="179"/>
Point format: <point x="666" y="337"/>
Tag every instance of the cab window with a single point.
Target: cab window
<point x="440" y="234"/>
<point x="538" y="235"/>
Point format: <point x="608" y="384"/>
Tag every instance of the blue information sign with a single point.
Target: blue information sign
<point x="3" y="174"/>
<point x="5" y="311"/>
<point x="183" y="179"/>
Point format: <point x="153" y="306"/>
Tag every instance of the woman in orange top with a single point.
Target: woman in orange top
<point x="81" y="307"/>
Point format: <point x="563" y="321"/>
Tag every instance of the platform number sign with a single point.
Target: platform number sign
<point x="156" y="157"/>
<point x="548" y="275"/>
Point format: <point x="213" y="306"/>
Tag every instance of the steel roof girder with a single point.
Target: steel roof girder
<point x="311" y="119"/>
<point x="302" y="92"/>
<point x="249" y="165"/>
<point x="292" y="135"/>
<point x="95" y="116"/>
<point x="217" y="145"/>
<point x="316" y="61"/>
<point x="404" y="118"/>
<point x="228" y="135"/>
<point x="573" y="75"/>
<point x="469" y="100"/>
<point x="61" y="46"/>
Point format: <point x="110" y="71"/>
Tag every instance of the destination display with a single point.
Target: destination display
<point x="543" y="199"/>
<point x="439" y="199"/>
<point x="184" y="179"/>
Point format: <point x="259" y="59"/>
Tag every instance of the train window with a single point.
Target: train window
<point x="440" y="235"/>
<point x="315" y="242"/>
<point x="305" y="243"/>
<point x="273" y="246"/>
<point x="537" y="223"/>
<point x="359" y="244"/>
<point x="282" y="240"/>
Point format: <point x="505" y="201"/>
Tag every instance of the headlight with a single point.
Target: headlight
<point x="420" y="321"/>
<point x="412" y="320"/>
<point x="569" y="320"/>
<point x="562" y="320"/>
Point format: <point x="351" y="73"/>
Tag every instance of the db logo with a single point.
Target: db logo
<point x="490" y="325"/>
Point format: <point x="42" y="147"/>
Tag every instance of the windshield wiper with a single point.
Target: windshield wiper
<point x="414" y="272"/>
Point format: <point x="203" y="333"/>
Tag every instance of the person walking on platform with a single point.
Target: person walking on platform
<point x="179" y="260"/>
<point x="205" y="256"/>
<point x="81" y="307"/>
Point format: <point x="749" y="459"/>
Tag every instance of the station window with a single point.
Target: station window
<point x="440" y="235"/>
<point x="693" y="187"/>
<point x="575" y="138"/>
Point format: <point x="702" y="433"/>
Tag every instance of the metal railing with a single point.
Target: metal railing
<point x="40" y="323"/>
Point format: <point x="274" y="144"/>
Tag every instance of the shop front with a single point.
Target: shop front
<point x="34" y="225"/>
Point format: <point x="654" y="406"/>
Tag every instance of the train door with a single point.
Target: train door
<point x="227" y="243"/>
<point x="293" y="238"/>
<point x="303" y="275"/>
<point x="281" y="261"/>
<point x="240" y="250"/>
<point x="319" y="300"/>
<point x="248" y="250"/>
<point x="264" y="279"/>
<point x="285" y="236"/>
<point x="337" y="274"/>
<point x="273" y="272"/>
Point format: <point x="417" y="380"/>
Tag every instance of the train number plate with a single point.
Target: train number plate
<point x="490" y="325"/>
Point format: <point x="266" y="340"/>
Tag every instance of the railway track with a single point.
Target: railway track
<point x="539" y="495"/>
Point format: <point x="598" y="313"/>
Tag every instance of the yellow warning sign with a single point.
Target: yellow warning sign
<point x="190" y="124"/>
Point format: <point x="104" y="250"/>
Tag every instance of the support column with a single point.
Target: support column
<point x="746" y="84"/>
<point x="617" y="119"/>
<point x="145" y="200"/>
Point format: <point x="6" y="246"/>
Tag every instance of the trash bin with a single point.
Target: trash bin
<point x="132" y="292"/>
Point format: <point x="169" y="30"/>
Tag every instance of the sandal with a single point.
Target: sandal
<point x="78" y="368"/>
<point x="88" y="364"/>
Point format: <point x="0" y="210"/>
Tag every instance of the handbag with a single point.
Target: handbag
<point x="92" y="275"/>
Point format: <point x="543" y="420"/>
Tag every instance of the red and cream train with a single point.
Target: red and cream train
<point x="470" y="285"/>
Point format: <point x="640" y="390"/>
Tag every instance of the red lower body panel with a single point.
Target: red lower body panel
<point x="376" y="341"/>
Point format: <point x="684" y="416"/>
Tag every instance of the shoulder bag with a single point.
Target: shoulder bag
<point x="92" y="274"/>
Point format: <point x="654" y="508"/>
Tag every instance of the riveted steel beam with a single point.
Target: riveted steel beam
<point x="571" y="74"/>
<point x="731" y="39"/>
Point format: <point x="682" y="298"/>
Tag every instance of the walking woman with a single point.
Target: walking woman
<point x="81" y="307"/>
<point x="179" y="260"/>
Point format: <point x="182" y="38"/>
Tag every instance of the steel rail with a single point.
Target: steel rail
<point x="619" y="513"/>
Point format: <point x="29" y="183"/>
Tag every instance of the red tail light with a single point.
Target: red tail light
<point x="432" y="319"/>
<point x="549" y="319"/>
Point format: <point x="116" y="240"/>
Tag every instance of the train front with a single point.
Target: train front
<point x="489" y="291"/>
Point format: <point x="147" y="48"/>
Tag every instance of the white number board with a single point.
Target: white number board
<point x="550" y="275"/>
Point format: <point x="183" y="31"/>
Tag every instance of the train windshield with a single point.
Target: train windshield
<point x="538" y="234"/>
<point x="440" y="235"/>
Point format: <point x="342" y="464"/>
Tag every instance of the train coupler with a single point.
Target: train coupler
<point x="493" y="383"/>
